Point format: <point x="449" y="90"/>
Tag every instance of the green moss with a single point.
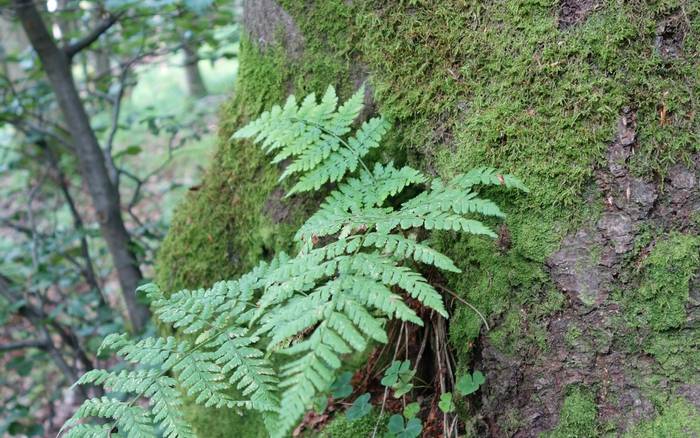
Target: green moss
<point x="660" y="300"/>
<point x="679" y="419"/>
<point x="223" y="423"/>
<point x="470" y="84"/>
<point x="496" y="283"/>
<point x="340" y="427"/>
<point x="656" y="310"/>
<point x="578" y="416"/>
<point x="573" y="334"/>
<point x="677" y="354"/>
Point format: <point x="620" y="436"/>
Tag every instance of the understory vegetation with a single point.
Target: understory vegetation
<point x="340" y="265"/>
<point x="352" y="277"/>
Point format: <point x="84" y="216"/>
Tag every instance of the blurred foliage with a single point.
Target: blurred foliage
<point x="57" y="288"/>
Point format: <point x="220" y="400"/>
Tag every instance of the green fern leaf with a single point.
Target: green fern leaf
<point x="252" y="374"/>
<point x="488" y="176"/>
<point x="131" y="421"/>
<point x="161" y="391"/>
<point x="90" y="431"/>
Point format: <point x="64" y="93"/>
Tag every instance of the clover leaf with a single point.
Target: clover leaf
<point x="341" y="388"/>
<point x="399" y="429"/>
<point x="411" y="410"/>
<point x="470" y="383"/>
<point x="359" y="408"/>
<point x="445" y="403"/>
<point x="399" y="377"/>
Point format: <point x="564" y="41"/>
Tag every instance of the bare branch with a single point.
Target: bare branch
<point x="72" y="49"/>
<point x="20" y="345"/>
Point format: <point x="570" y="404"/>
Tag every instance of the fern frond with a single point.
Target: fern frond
<point x="488" y="176"/>
<point x="160" y="390"/>
<point x="376" y="295"/>
<point x="150" y="351"/>
<point x="166" y="407"/>
<point x="312" y="135"/>
<point x="403" y="248"/>
<point x="312" y="372"/>
<point x="343" y="160"/>
<point x="89" y="431"/>
<point x="131" y="421"/>
<point x="250" y="372"/>
<point x="201" y="377"/>
<point x="192" y="312"/>
<point x="380" y="268"/>
<point x="445" y="198"/>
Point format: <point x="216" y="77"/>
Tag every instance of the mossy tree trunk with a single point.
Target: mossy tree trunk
<point x="592" y="288"/>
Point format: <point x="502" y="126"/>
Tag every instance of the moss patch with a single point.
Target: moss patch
<point x="496" y="283"/>
<point x="340" y="427"/>
<point x="660" y="300"/>
<point x="679" y="419"/>
<point x="578" y="417"/>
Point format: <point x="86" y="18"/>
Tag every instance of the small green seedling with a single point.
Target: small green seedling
<point x="342" y="388"/>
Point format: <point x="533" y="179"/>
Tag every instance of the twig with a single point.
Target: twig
<point x="87" y="270"/>
<point x="463" y="301"/>
<point x="441" y="377"/>
<point x="426" y="335"/>
<point x="386" y="389"/>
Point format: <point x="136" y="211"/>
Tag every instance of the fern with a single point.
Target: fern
<point x="358" y="259"/>
<point x="223" y="347"/>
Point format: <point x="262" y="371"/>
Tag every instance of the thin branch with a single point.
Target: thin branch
<point x="116" y="111"/>
<point x="36" y="317"/>
<point x="463" y="301"/>
<point x="21" y="345"/>
<point x="72" y="49"/>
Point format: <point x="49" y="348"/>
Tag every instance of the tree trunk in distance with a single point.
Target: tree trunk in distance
<point x="193" y="77"/>
<point x="104" y="194"/>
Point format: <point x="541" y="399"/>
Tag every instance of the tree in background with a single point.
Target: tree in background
<point x="64" y="84"/>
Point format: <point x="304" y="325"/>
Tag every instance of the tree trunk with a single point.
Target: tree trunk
<point x="195" y="82"/>
<point x="105" y="196"/>
<point x="591" y="290"/>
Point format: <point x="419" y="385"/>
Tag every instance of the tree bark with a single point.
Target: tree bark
<point x="105" y="196"/>
<point x="193" y="76"/>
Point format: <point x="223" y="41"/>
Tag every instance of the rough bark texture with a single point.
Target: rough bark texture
<point x="104" y="194"/>
<point x="592" y="289"/>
